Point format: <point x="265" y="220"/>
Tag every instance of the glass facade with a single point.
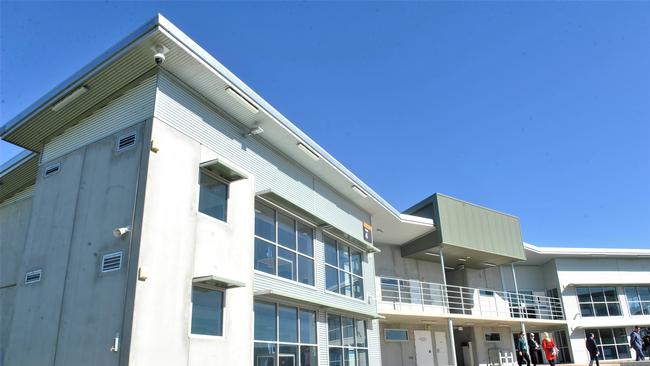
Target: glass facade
<point x="638" y="300"/>
<point x="343" y="269"/>
<point x="284" y="246"/>
<point x="207" y="311"/>
<point x="598" y="301"/>
<point x="612" y="343"/>
<point x="347" y="340"/>
<point x="213" y="196"/>
<point x="284" y="335"/>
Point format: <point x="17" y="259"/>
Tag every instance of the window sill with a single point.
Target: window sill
<point x="206" y="337"/>
<point x="213" y="219"/>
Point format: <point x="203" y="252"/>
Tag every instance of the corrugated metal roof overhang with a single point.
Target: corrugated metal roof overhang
<point x="18" y="174"/>
<point x="192" y="65"/>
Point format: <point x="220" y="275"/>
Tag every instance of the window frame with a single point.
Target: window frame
<point x="640" y="302"/>
<point x="277" y="210"/>
<point x="600" y="345"/>
<point x="343" y="347"/>
<point x="593" y="303"/>
<point x="277" y="343"/>
<point x="386" y="339"/>
<point x="223" y="312"/>
<point x="340" y="269"/>
<point x="220" y="180"/>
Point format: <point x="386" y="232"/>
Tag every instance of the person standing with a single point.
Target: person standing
<point x="522" y="350"/>
<point x="593" y="349"/>
<point x="646" y="342"/>
<point x="548" y="345"/>
<point x="534" y="349"/>
<point x="636" y="343"/>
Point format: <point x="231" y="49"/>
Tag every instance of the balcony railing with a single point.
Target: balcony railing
<point x="415" y="295"/>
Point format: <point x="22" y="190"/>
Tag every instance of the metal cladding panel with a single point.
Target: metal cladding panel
<point x="323" y="338"/>
<point x="19" y="177"/>
<point x="374" y="343"/>
<point x="273" y="171"/>
<point x="25" y="193"/>
<point x="474" y="227"/>
<point x="133" y="107"/>
<point x="341" y="304"/>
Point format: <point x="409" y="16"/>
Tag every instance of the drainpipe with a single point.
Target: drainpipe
<point x="450" y="323"/>
<point x="514" y="279"/>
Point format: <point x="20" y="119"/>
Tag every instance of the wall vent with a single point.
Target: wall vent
<point x="52" y="169"/>
<point x="126" y="141"/>
<point x="33" y="276"/>
<point x="111" y="262"/>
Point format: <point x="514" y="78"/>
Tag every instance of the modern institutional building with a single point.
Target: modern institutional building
<point x="165" y="214"/>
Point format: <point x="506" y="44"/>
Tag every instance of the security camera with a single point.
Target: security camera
<point x="159" y="52"/>
<point x="121" y="231"/>
<point x="159" y="58"/>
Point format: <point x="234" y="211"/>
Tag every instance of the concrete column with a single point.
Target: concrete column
<point x="514" y="279"/>
<point x="450" y="322"/>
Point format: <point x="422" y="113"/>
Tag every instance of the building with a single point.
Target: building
<point x="164" y="213"/>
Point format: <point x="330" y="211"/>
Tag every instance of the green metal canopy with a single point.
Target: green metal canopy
<point x="468" y="234"/>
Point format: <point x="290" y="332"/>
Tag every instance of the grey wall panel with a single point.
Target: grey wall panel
<point x="134" y="106"/>
<point x="323" y="353"/>
<point x="37" y="306"/>
<point x="273" y="171"/>
<point x="374" y="346"/>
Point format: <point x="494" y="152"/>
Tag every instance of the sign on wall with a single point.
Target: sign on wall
<point x="367" y="232"/>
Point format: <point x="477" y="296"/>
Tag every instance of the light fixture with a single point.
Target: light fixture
<point x="311" y="153"/>
<point x="503" y="325"/>
<point x="489" y="264"/>
<point x="242" y="100"/>
<point x="450" y="268"/>
<point x="254" y="131"/>
<point x="462" y="260"/>
<point x="121" y="231"/>
<point x="69" y="98"/>
<point x="359" y="191"/>
<point x="432" y="254"/>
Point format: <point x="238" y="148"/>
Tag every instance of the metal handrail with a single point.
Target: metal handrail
<point x="453" y="299"/>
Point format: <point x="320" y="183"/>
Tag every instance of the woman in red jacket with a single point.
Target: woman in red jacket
<point x="548" y="345"/>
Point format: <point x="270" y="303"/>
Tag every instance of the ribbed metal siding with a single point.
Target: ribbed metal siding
<point x="323" y="352"/>
<point x="273" y="171"/>
<point x="25" y="193"/>
<point x="133" y="107"/>
<point x="374" y="350"/>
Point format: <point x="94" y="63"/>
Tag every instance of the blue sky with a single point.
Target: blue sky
<point x="541" y="110"/>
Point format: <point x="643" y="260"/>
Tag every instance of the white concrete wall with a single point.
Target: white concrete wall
<point x="390" y="263"/>
<point x="179" y="243"/>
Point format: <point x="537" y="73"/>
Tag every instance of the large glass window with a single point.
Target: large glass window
<point x="213" y="196"/>
<point x="343" y="269"/>
<point x="284" y="335"/>
<point x="638" y="299"/>
<point x="598" y="301"/>
<point x="347" y="340"/>
<point x="612" y="343"/>
<point x="283" y="246"/>
<point x="207" y="311"/>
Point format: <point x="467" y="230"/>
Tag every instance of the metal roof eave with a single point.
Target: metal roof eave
<point x="15" y="162"/>
<point x="79" y="77"/>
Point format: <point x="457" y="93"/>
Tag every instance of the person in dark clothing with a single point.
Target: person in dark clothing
<point x="522" y="350"/>
<point x="646" y="341"/>
<point x="636" y="343"/>
<point x="533" y="346"/>
<point x="593" y="350"/>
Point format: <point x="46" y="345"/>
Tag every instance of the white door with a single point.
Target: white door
<point x="423" y="348"/>
<point x="441" y="349"/>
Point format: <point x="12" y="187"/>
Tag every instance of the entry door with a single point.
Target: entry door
<point x="441" y="349"/>
<point x="423" y="348"/>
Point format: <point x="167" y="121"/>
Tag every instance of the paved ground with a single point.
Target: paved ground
<point x="614" y="363"/>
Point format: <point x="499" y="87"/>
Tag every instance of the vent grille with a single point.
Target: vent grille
<point x="33" y="276"/>
<point x="111" y="262"/>
<point x="126" y="141"/>
<point x="52" y="169"/>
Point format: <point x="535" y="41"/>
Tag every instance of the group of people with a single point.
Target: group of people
<point x="637" y="343"/>
<point x="528" y="349"/>
<point x="533" y="356"/>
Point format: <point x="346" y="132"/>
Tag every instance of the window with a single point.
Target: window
<point x="396" y="335"/>
<point x="638" y="299"/>
<point x="343" y="269"/>
<point x="213" y="196"/>
<point x="207" y="311"/>
<point x="612" y="343"/>
<point x="598" y="301"/>
<point x="284" y="335"/>
<point x="283" y="246"/>
<point x="348" y="345"/>
<point x="492" y="337"/>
